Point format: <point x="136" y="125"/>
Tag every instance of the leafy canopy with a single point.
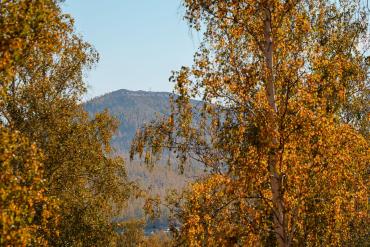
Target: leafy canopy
<point x="42" y="61"/>
<point x="282" y="127"/>
<point x="27" y="212"/>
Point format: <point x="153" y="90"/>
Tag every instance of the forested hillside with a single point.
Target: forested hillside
<point x="132" y="109"/>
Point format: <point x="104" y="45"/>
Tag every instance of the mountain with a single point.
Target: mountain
<point x="132" y="109"/>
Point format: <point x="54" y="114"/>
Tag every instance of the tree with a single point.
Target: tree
<point x="42" y="62"/>
<point x="281" y="83"/>
<point x="27" y="212"/>
<point x="28" y="28"/>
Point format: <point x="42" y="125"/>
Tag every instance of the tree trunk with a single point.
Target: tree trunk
<point x="275" y="178"/>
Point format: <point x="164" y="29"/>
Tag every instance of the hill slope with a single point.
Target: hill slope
<point x="132" y="108"/>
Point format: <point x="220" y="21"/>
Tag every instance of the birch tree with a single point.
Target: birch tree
<point x="276" y="79"/>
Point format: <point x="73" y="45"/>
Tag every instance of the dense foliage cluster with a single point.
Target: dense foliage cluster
<point x="42" y="62"/>
<point x="26" y="210"/>
<point x="283" y="128"/>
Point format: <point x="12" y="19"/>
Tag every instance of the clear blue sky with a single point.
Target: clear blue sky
<point x="139" y="42"/>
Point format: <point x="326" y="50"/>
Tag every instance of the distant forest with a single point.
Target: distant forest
<point x="134" y="109"/>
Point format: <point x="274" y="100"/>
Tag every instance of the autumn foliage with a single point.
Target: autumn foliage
<point x="26" y="211"/>
<point x="282" y="128"/>
<point x="56" y="161"/>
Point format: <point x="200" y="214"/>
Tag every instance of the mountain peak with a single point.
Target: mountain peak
<point x="132" y="108"/>
<point x="131" y="93"/>
<point x="140" y="93"/>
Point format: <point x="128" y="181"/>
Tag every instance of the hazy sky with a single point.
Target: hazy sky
<point x="139" y="42"/>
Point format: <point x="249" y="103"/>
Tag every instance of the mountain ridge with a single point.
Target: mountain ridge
<point x="132" y="108"/>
